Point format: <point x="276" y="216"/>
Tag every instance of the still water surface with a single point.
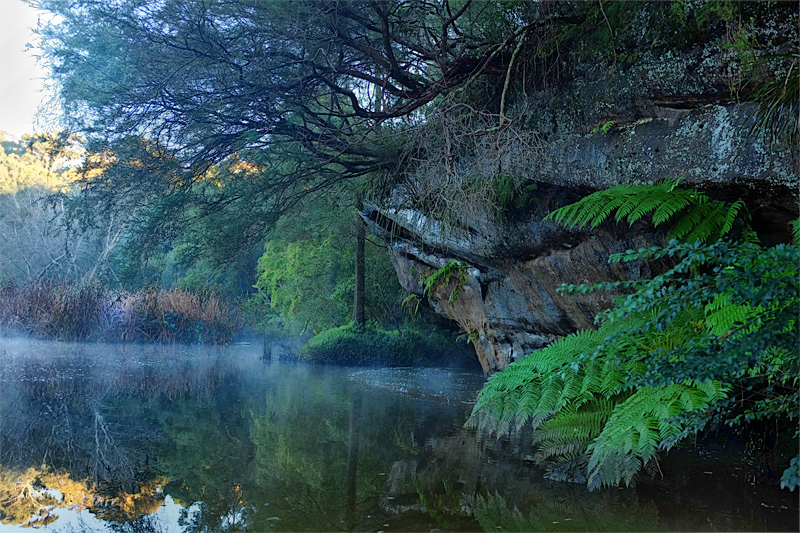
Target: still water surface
<point x="171" y="438"/>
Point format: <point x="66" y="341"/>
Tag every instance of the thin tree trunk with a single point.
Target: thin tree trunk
<point x="359" y="316"/>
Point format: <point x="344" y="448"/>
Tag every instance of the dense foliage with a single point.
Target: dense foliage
<point x="305" y="278"/>
<point x="713" y="339"/>
<point x="302" y="282"/>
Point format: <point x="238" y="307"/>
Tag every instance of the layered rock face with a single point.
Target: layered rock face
<point x="509" y="304"/>
<point x="668" y="116"/>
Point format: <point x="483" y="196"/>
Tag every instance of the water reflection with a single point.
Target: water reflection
<point x="127" y="438"/>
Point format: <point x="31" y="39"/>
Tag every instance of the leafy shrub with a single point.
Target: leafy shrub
<point x="368" y="346"/>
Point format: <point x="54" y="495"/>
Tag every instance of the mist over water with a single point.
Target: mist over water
<point x="177" y="438"/>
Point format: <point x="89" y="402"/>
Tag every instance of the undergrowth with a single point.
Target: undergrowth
<point x="354" y="345"/>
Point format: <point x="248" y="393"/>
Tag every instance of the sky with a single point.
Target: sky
<point x="21" y="79"/>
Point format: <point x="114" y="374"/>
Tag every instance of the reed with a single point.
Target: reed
<point x="58" y="309"/>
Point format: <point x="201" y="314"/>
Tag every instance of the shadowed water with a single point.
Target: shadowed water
<point x="170" y="438"/>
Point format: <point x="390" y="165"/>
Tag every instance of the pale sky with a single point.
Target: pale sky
<point x="21" y="80"/>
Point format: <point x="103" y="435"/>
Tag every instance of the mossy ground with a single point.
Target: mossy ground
<point x="354" y="345"/>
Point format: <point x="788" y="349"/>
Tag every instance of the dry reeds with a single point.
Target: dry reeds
<point x="183" y="316"/>
<point x="78" y="311"/>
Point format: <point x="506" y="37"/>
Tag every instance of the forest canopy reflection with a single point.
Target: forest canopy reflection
<point x="227" y="440"/>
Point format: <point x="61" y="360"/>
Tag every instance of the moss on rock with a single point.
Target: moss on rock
<point x="353" y="345"/>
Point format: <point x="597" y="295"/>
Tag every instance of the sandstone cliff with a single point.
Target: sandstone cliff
<point x="663" y="114"/>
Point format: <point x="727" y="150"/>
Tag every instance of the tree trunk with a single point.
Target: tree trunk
<point x="358" y="298"/>
<point x="359" y="316"/>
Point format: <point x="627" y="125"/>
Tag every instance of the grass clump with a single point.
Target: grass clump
<point x="354" y="345"/>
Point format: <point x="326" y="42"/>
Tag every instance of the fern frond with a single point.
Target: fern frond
<point x="722" y="315"/>
<point x="730" y="216"/>
<point x="640" y="425"/>
<point x="452" y="270"/>
<point x="630" y="202"/>
<point x="667" y="210"/>
<point x="533" y="388"/>
<point x="696" y="216"/>
<point x="689" y="221"/>
<point x="709" y="227"/>
<point x="633" y="196"/>
<point x="566" y="374"/>
<point x="571" y="430"/>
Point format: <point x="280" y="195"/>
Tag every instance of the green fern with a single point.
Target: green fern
<point x="643" y="424"/>
<point x="531" y="390"/>
<point x="695" y="215"/>
<point x="457" y="271"/>
<point x="605" y="127"/>
<point x="575" y="395"/>
<point x="665" y="358"/>
<point x="411" y="304"/>
<point x="570" y="431"/>
<point x="724" y="316"/>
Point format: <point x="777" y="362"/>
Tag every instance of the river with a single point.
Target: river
<point x="100" y="437"/>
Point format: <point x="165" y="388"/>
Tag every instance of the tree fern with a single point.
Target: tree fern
<point x="694" y="215"/>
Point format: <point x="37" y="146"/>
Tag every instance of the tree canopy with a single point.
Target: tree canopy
<point x="208" y="79"/>
<point x="240" y="109"/>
